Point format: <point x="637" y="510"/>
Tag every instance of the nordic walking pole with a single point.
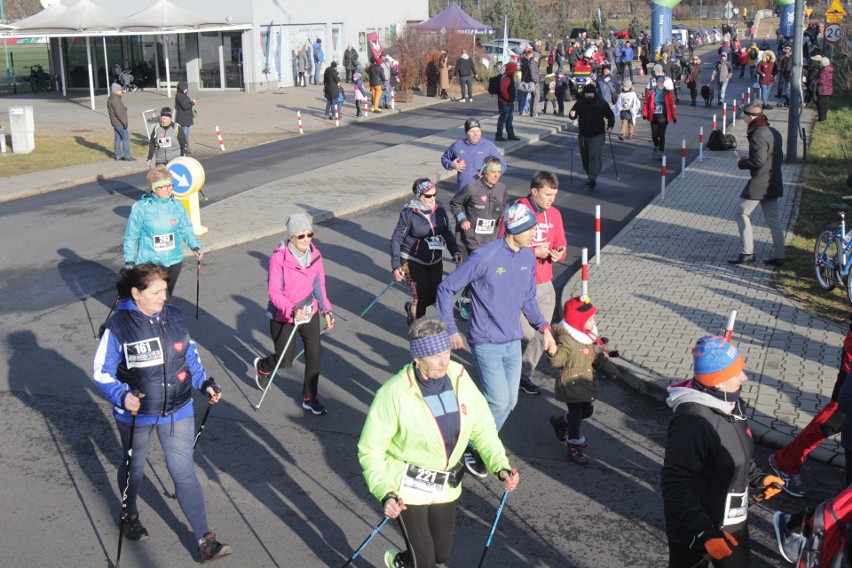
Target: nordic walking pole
<point x="278" y="364"/>
<point x="197" y="286"/>
<point x="126" y="481"/>
<point x="299" y="354"/>
<point x="373" y="303"/>
<point x="612" y="151"/>
<point x="703" y="562"/>
<point x="366" y="542"/>
<point x="206" y="414"/>
<point x="571" y="152"/>
<point x="493" y="528"/>
<point x="103" y="325"/>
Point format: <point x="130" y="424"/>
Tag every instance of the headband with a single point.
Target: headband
<point x="493" y="167"/>
<point x="424" y="186"/>
<point x="160" y="183"/>
<point x="432" y="345"/>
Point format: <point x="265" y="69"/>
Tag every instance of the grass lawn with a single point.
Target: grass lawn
<point x="62" y="151"/>
<point x="823" y="183"/>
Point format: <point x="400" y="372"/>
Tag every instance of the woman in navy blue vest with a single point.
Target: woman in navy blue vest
<point x="146" y="364"/>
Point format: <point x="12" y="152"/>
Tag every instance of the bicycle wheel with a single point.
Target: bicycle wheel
<point x="826" y="253"/>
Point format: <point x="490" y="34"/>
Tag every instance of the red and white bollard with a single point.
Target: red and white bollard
<point x="734" y="116"/>
<point x="393" y="96"/>
<point x="299" y="119"/>
<point x="714" y="122"/>
<point x="683" y="159"/>
<point x="584" y="274"/>
<point x="597" y="234"/>
<point x="701" y="144"/>
<point x="336" y="115"/>
<point x="729" y="327"/>
<point x="748" y="97"/>
<point x="219" y="136"/>
<point x="742" y="99"/>
<point x="663" y="180"/>
<point x="724" y="117"/>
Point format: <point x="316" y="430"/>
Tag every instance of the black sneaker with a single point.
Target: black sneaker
<point x="133" y="529"/>
<point x="528" y="386"/>
<point x="409" y="319"/>
<point x="261" y="379"/>
<point x="559" y="427"/>
<point x="499" y="138"/>
<point x="212" y="549"/>
<point x="314" y="405"/>
<point x="473" y="463"/>
<point x="513" y="137"/>
<point x="742" y="259"/>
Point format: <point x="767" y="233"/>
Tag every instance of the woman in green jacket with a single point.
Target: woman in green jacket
<point x="411" y="448"/>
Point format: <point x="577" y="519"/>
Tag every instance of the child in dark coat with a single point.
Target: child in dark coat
<point x="579" y="352"/>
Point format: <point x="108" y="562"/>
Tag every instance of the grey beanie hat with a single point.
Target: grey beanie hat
<point x="116" y="88"/>
<point x="657" y="68"/>
<point x="298" y="223"/>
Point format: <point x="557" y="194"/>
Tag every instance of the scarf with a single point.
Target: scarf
<point x="757" y="121"/>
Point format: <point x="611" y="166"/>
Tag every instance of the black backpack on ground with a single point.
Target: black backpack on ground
<point x="494" y="84"/>
<point x="719" y="142"/>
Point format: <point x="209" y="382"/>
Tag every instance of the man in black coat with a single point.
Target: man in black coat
<point x="350" y="62"/>
<point x="766" y="186"/>
<point x="594" y="116"/>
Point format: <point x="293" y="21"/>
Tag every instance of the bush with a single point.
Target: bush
<point x="407" y="72"/>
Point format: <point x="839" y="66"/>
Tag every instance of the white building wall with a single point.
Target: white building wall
<point x="337" y="22"/>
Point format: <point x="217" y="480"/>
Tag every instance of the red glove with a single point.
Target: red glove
<point x="719" y="544"/>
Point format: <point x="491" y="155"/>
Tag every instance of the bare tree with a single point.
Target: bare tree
<point x="19" y="9"/>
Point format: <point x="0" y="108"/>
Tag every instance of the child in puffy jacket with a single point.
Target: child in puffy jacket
<point x="549" y="89"/>
<point x="579" y="352"/>
<point x="627" y="108"/>
<point x="360" y="93"/>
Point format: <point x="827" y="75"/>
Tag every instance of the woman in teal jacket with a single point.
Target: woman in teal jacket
<point x="411" y="448"/>
<point x="158" y="223"/>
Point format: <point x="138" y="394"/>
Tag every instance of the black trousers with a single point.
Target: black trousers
<point x="822" y="107"/>
<point x="310" y="334"/>
<point x="683" y="557"/>
<point x="424" y="282"/>
<point x="658" y="133"/>
<point x="174" y="272"/>
<point x="428" y="532"/>
<point x="577" y="412"/>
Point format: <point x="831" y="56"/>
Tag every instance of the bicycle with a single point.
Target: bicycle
<point x="39" y="79"/>
<point x="833" y="253"/>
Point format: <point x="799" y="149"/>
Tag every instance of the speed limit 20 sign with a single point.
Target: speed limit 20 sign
<point x="833" y="33"/>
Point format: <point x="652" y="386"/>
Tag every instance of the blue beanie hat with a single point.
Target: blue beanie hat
<point x="715" y="360"/>
<point x="518" y="218"/>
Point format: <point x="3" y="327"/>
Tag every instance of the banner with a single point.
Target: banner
<point x="788" y="14"/>
<point x="661" y="24"/>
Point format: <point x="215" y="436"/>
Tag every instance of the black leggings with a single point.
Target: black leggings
<point x="310" y="334"/>
<point x="577" y="412"/>
<point x="174" y="272"/>
<point x="423" y="281"/>
<point x="428" y="532"/>
<point x="682" y="557"/>
<point x="658" y="134"/>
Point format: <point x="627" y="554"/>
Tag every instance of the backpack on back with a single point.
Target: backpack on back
<point x="719" y="142"/>
<point x="828" y="544"/>
<point x="494" y="84"/>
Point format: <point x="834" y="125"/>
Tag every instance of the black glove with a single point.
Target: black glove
<point x="457" y="258"/>
<point x="210" y="382"/>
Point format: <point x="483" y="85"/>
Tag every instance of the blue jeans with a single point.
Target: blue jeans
<point x="385" y="99"/>
<point x="176" y="439"/>
<point x="499" y="366"/>
<point x="522" y="100"/>
<point x="329" y="107"/>
<point x="122" y="142"/>
<point x="317" y="70"/>
<point x="764" y="93"/>
<point x="506" y="111"/>
<point x="723" y="87"/>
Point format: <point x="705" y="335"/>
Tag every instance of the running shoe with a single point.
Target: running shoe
<point x="314" y="405"/>
<point x="793" y="484"/>
<point x="473" y="463"/>
<point x="261" y="379"/>
<point x="132" y="529"/>
<point x="528" y="386"/>
<point x="212" y="549"/>
<point x="391" y="558"/>
<point x="789" y="543"/>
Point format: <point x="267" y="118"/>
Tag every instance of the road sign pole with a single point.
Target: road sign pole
<point x="793" y="115"/>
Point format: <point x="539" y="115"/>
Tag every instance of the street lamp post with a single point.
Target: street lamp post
<point x="5" y="47"/>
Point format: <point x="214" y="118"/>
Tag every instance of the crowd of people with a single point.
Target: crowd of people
<point x="504" y="252"/>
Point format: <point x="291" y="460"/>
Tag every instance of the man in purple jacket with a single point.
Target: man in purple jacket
<point x="466" y="156"/>
<point x="501" y="275"/>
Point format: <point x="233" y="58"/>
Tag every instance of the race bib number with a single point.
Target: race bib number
<point x="164" y="242"/>
<point x="309" y="312"/>
<point x="485" y="226"/>
<point x="736" y="508"/>
<point x="145" y="353"/>
<point x="164" y="142"/>
<point x="425" y="482"/>
<point x="658" y="109"/>
<point x="435" y="243"/>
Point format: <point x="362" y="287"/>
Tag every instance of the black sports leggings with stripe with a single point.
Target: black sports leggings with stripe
<point x="428" y="532"/>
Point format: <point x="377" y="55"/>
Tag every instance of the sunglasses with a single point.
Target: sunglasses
<point x="428" y="195"/>
<point x="304" y="236"/>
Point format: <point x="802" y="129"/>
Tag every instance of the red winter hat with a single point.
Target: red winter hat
<point x="511" y="67"/>
<point x="578" y="311"/>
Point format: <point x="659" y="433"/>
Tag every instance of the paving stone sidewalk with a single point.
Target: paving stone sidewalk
<point x="664" y="281"/>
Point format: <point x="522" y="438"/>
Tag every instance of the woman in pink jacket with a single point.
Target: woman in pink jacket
<point x="297" y="297"/>
<point x="825" y="87"/>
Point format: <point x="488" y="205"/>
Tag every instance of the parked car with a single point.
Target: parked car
<point x="493" y="56"/>
<point x="515" y="44"/>
<point x="699" y="39"/>
<point x="575" y="32"/>
<point x="619" y="33"/>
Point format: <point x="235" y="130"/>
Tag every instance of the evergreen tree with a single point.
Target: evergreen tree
<point x="528" y="25"/>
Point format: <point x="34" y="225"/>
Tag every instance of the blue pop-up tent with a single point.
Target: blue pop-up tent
<point x="454" y="18"/>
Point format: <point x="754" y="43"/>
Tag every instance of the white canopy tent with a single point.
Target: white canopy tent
<point x="87" y="19"/>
